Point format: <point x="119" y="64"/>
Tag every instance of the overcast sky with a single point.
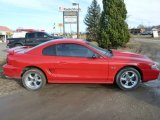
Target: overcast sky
<point x="42" y="14"/>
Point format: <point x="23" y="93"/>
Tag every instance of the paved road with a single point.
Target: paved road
<point x="83" y="102"/>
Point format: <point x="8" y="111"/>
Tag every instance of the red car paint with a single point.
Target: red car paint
<point x="60" y="69"/>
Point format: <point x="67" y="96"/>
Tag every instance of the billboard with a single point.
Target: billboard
<point x="62" y="9"/>
<point x="70" y="19"/>
<point x="70" y="13"/>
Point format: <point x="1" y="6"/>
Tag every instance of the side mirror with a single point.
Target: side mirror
<point x="94" y="56"/>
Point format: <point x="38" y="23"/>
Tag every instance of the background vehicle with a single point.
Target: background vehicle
<point x="31" y="39"/>
<point x="77" y="61"/>
<point x="147" y="33"/>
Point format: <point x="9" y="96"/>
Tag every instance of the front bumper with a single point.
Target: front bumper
<point x="11" y="71"/>
<point x="149" y="75"/>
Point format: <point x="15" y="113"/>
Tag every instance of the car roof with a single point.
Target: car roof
<point x="68" y="40"/>
<point x="58" y="41"/>
<point x="65" y="40"/>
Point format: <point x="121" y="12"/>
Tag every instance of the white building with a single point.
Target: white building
<point x="155" y="32"/>
<point x="4" y="31"/>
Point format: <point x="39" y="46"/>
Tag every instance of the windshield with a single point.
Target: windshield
<point x="49" y="35"/>
<point x="105" y="52"/>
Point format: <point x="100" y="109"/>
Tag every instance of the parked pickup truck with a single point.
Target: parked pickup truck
<point x="31" y="39"/>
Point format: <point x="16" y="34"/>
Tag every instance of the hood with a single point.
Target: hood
<point x="129" y="55"/>
<point x="121" y="53"/>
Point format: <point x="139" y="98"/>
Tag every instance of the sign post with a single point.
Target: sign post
<point x="70" y="16"/>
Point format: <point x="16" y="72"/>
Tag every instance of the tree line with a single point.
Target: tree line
<point x="107" y="27"/>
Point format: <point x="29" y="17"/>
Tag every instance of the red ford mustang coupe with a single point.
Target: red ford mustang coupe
<point x="78" y="61"/>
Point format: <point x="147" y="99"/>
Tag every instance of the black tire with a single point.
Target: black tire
<point x="25" y="79"/>
<point x="17" y="45"/>
<point x="122" y="73"/>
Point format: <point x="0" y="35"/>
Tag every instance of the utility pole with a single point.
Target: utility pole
<point x="63" y="25"/>
<point x="74" y="4"/>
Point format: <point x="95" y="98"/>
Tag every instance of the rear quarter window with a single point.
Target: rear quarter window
<point x="49" y="51"/>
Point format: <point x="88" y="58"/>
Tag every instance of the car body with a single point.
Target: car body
<point x="78" y="61"/>
<point x="147" y="33"/>
<point x="31" y="39"/>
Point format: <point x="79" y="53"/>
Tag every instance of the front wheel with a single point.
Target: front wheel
<point x="33" y="79"/>
<point x="128" y="78"/>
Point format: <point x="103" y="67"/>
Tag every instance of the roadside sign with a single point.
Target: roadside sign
<point x="70" y="19"/>
<point x="62" y="9"/>
<point x="70" y="13"/>
<point x="60" y="25"/>
<point x="70" y="16"/>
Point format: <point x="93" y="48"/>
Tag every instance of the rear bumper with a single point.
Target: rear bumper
<point x="11" y="71"/>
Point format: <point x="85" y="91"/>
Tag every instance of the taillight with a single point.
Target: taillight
<point x="10" y="52"/>
<point x="9" y="60"/>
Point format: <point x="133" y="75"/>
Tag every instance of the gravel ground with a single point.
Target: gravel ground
<point x="10" y="86"/>
<point x="83" y="101"/>
<point x="7" y="86"/>
<point x="3" y="50"/>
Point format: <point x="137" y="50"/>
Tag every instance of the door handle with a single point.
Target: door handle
<point x="62" y="62"/>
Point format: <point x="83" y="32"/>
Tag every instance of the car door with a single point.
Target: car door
<point x="75" y="63"/>
<point x="30" y="39"/>
<point x="41" y="37"/>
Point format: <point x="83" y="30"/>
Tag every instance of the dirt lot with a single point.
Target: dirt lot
<point x="7" y="86"/>
<point x="83" y="101"/>
<point x="3" y="50"/>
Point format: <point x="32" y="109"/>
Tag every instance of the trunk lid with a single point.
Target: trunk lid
<point x="20" y="49"/>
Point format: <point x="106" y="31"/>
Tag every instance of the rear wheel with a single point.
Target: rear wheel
<point x="128" y="78"/>
<point x="33" y="79"/>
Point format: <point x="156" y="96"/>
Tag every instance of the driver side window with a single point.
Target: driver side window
<point x="73" y="50"/>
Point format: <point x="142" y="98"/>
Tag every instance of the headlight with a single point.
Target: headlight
<point x="156" y="66"/>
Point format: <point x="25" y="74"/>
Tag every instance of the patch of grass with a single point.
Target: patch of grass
<point x="147" y="37"/>
<point x="132" y="47"/>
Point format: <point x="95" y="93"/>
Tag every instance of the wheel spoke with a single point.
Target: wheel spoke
<point x="35" y="84"/>
<point x="132" y="76"/>
<point x="30" y="83"/>
<point x="127" y="75"/>
<point x="37" y="78"/>
<point x="30" y="76"/>
<point x="132" y="81"/>
<point x="126" y="83"/>
<point x="123" y="79"/>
